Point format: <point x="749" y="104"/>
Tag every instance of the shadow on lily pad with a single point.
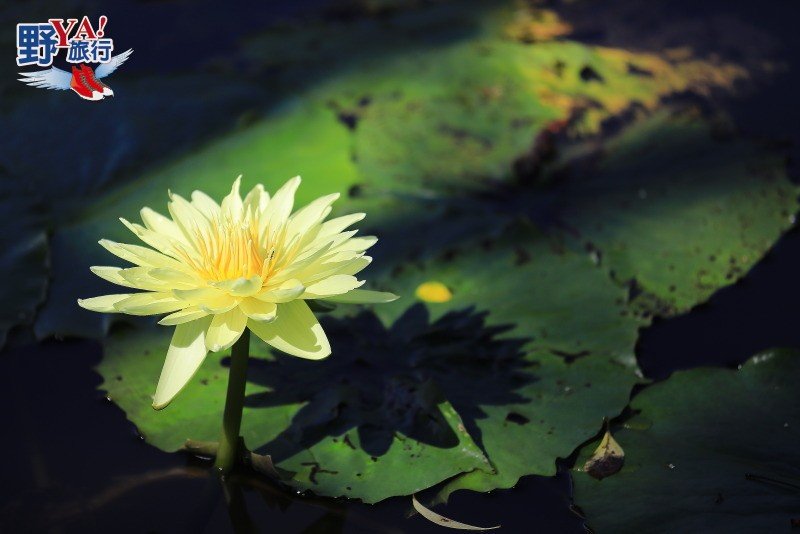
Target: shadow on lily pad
<point x="383" y="381"/>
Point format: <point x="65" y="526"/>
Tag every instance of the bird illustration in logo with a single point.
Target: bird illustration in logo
<point x="83" y="81"/>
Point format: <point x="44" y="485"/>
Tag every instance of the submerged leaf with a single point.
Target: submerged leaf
<point x="607" y="458"/>
<point x="441" y="520"/>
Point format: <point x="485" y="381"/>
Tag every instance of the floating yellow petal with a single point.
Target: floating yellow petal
<point x="433" y="292"/>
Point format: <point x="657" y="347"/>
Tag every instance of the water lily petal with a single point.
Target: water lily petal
<point x="280" y="206"/>
<point x="343" y="263"/>
<point x="142" y="256"/>
<point x="333" y="285"/>
<point x="363" y="296"/>
<point x="188" y="218"/>
<point x="185" y="315"/>
<point x="256" y="200"/>
<point x="111" y="274"/>
<point x="357" y="244"/>
<point x="150" y="303"/>
<point x="186" y="352"/>
<point x="354" y="266"/>
<point x="208" y="298"/>
<point x="241" y="287"/>
<point x="158" y="223"/>
<point x="232" y="203"/>
<point x="258" y="309"/>
<point x="285" y="292"/>
<point x="225" y="329"/>
<point x="103" y="304"/>
<point x="295" y="331"/>
<point x="157" y="240"/>
<point x="304" y="218"/>
<point x="337" y="225"/>
<point x="176" y="279"/>
<point x="205" y="205"/>
<point x="141" y="278"/>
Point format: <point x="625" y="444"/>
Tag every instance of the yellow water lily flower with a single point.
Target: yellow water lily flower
<point x="217" y="269"/>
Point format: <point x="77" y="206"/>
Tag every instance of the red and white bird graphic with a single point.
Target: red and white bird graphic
<point x="84" y="81"/>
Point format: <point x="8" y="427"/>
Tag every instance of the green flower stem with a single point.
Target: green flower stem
<point x="234" y="403"/>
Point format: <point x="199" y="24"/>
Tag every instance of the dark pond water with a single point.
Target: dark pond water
<point x="72" y="462"/>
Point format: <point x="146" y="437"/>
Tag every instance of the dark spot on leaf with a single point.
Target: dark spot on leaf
<point x="355" y="191"/>
<point x="588" y="74"/>
<point x="204" y="381"/>
<point x="569" y="357"/>
<point x="347" y="441"/>
<point x="348" y="119"/>
<point x="315" y="470"/>
<point x="119" y="378"/>
<point x="517" y="418"/>
<point x="559" y="67"/>
<point x="639" y="71"/>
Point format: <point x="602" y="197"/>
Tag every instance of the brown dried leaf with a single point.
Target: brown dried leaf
<point x="607" y="458"/>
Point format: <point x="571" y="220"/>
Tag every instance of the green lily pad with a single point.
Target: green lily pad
<point x="454" y="115"/>
<point x="581" y="365"/>
<point x="24" y="260"/>
<point x="707" y="450"/>
<point x="447" y="388"/>
<point x="679" y="210"/>
<point x="369" y="422"/>
<point x="472" y="97"/>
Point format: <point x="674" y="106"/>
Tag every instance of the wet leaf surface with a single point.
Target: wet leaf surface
<point x="718" y="451"/>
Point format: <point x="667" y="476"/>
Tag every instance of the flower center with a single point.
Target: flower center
<point x="229" y="249"/>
